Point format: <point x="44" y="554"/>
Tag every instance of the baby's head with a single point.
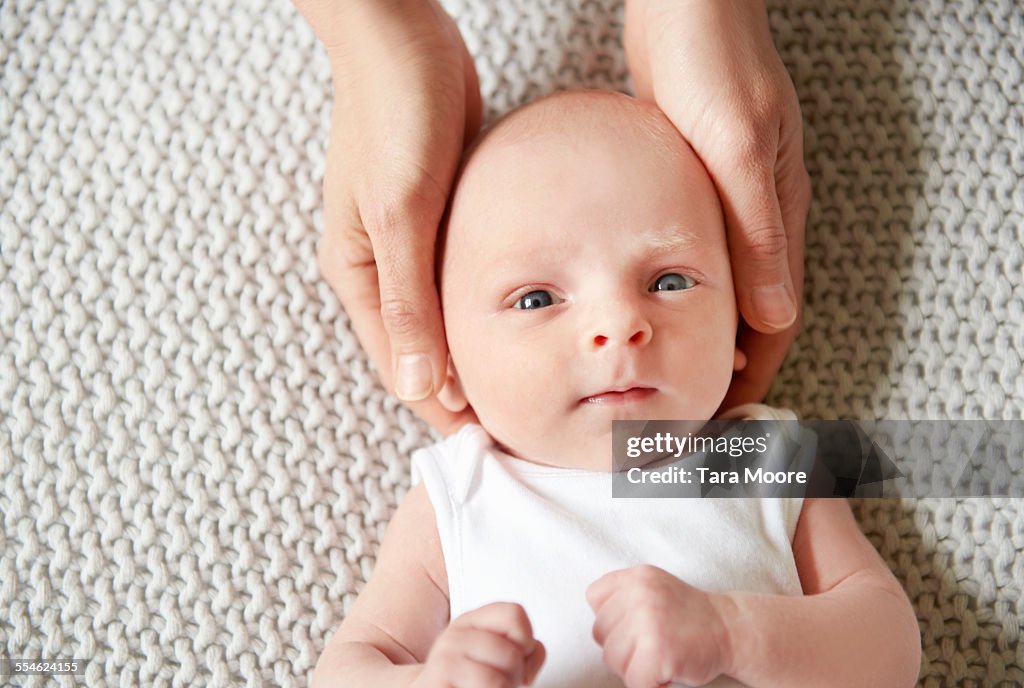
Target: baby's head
<point x="584" y="251"/>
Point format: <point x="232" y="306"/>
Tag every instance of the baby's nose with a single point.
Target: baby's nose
<point x="628" y="329"/>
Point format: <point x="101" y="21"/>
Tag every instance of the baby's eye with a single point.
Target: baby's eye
<point x="534" y="300"/>
<point x="673" y="281"/>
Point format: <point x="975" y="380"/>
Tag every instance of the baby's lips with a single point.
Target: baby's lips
<point x="622" y="394"/>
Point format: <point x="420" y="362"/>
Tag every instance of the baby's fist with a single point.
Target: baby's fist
<point x="656" y="629"/>
<point x="489" y="647"/>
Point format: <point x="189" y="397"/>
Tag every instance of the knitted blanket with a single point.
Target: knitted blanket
<point x="197" y="460"/>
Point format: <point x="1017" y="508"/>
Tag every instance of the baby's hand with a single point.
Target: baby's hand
<point x="489" y="647"/>
<point x="656" y="629"/>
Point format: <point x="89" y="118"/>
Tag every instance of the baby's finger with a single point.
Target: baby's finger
<point x="471" y="674"/>
<point x="608" y="616"/>
<point x="643" y="670"/>
<point x="618" y="649"/>
<point x="604" y="587"/>
<point x="534" y="661"/>
<point x="504" y="618"/>
<point x="495" y="650"/>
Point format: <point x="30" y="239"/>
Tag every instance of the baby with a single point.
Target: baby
<point x="584" y="277"/>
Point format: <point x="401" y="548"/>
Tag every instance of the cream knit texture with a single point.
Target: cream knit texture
<point x="197" y="460"/>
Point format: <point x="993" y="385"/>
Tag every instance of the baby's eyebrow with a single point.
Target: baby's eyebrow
<point x="672" y="239"/>
<point x="667" y="240"/>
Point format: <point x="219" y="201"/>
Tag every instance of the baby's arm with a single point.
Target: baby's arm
<point x="397" y="632"/>
<point x="853" y="627"/>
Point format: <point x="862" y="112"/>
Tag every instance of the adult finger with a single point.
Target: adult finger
<point x="346" y="261"/>
<point x="758" y="244"/>
<point x="403" y="228"/>
<point x="766" y="352"/>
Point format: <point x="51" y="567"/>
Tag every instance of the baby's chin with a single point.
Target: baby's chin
<point x="583" y="437"/>
<point x="572" y="448"/>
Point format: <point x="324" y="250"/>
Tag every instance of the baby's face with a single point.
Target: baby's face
<point x="586" y="256"/>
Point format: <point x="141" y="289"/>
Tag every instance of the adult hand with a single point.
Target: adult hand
<point x="406" y="99"/>
<point x="711" y="67"/>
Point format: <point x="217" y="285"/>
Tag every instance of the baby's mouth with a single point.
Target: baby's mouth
<point x="614" y="397"/>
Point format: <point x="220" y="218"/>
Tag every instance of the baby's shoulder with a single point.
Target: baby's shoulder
<point x="447" y="467"/>
<point x="412" y="541"/>
<point x="471" y="438"/>
<point x="829" y="546"/>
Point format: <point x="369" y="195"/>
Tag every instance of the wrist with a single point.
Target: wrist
<point x="337" y="25"/>
<point x="734" y="625"/>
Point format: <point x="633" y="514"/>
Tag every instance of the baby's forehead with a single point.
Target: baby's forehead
<point x="551" y="153"/>
<point x="553" y="124"/>
<point x="568" y="127"/>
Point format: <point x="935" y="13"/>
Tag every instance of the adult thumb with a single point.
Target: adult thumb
<point x="759" y="250"/>
<point x="403" y="248"/>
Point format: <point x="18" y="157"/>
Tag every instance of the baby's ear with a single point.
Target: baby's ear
<point x="739" y="360"/>
<point x="451" y="395"/>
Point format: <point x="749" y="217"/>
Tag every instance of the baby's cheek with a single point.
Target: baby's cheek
<point x="498" y="387"/>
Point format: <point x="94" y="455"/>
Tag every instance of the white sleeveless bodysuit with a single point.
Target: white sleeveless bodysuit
<point x="538" y="535"/>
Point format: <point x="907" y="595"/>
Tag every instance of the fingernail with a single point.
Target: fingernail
<point x="413" y="380"/>
<point x="774" y="306"/>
